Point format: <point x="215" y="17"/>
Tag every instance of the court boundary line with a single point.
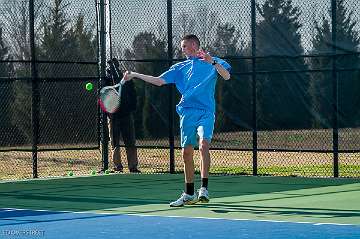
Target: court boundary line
<point x="247" y="219"/>
<point x="209" y="218"/>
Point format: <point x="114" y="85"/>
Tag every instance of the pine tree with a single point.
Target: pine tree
<point x="232" y="96"/>
<point x="66" y="101"/>
<point x="152" y="104"/>
<point x="5" y="91"/>
<point x="86" y="46"/>
<point x="16" y="18"/>
<point x="55" y="44"/>
<point x="282" y="97"/>
<point x="347" y="42"/>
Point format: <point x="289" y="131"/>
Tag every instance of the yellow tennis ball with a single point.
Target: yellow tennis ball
<point x="89" y="86"/>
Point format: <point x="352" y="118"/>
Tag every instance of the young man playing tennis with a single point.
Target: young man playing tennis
<point x="195" y="79"/>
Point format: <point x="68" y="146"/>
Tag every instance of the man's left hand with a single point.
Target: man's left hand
<point x="205" y="56"/>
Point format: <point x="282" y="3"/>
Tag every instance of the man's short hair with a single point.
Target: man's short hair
<point x="191" y="37"/>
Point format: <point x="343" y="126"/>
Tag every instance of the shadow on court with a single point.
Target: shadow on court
<point x="121" y="190"/>
<point x="284" y="211"/>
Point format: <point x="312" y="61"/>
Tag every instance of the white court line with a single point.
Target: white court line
<point x="209" y="218"/>
<point x="245" y="219"/>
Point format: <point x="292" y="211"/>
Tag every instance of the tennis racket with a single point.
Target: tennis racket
<point x="110" y="97"/>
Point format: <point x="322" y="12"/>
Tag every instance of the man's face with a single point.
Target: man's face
<point x="189" y="48"/>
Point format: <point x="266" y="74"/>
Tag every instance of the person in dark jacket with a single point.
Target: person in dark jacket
<point x="121" y="123"/>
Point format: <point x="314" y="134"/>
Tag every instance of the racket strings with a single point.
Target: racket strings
<point x="109" y="100"/>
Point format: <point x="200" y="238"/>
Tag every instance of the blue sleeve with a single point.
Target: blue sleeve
<point x="171" y="75"/>
<point x="223" y="63"/>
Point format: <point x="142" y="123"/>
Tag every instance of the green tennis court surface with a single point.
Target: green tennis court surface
<point x="136" y="206"/>
<point x="232" y="197"/>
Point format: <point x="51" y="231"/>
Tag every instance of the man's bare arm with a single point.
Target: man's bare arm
<point x="147" y="78"/>
<point x="222" y="71"/>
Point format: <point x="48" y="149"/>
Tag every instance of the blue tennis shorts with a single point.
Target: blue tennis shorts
<point x="195" y="122"/>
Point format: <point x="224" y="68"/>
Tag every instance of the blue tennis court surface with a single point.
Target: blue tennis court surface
<point x="47" y="224"/>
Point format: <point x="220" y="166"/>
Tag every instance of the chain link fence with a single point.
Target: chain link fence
<point x="47" y="112"/>
<point x="284" y="49"/>
<point x="291" y="107"/>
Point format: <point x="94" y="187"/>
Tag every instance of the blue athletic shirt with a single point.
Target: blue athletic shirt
<point x="195" y="79"/>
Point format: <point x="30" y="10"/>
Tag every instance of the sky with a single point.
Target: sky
<point x="129" y="17"/>
<point x="132" y="16"/>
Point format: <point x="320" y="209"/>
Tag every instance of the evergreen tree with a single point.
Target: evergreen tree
<point x="55" y="43"/>
<point x="85" y="48"/>
<point x="152" y="108"/>
<point x="233" y="97"/>
<point x="282" y="98"/>
<point x="58" y="38"/>
<point x="62" y="41"/>
<point x="347" y="42"/>
<point x="65" y="100"/>
<point x="5" y="90"/>
<point x="16" y="18"/>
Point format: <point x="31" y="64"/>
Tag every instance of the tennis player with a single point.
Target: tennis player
<point x="195" y="79"/>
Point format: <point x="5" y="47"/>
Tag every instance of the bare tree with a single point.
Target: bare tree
<point x="187" y="24"/>
<point x="208" y="21"/>
<point x="16" y="20"/>
<point x="202" y="22"/>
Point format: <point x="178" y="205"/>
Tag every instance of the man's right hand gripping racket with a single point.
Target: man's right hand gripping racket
<point x="110" y="97"/>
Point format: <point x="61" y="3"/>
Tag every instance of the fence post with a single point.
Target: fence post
<point x="35" y="92"/>
<point x="171" y="87"/>
<point x="335" y="102"/>
<point x="103" y="117"/>
<point x="253" y="83"/>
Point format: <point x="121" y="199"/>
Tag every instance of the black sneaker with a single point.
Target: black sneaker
<point x="135" y="170"/>
<point x="118" y="169"/>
